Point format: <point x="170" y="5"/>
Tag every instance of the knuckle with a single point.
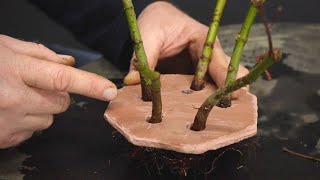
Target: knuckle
<point x="12" y="137"/>
<point x="47" y="122"/>
<point x="9" y="140"/>
<point x="4" y="141"/>
<point x="22" y="137"/>
<point x="45" y="52"/>
<point x="4" y="105"/>
<point x="92" y="86"/>
<point x="15" y="140"/>
<point x="62" y="80"/>
<point x="7" y="103"/>
<point x="63" y="102"/>
<point x="41" y="48"/>
<point x="244" y="71"/>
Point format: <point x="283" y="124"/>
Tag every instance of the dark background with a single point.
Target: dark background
<point x="235" y="11"/>
<point x="19" y="19"/>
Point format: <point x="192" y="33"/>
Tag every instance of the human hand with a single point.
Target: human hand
<point x="166" y="32"/>
<point x="35" y="83"/>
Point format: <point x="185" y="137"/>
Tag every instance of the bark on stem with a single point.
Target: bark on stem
<point x="150" y="80"/>
<point x="241" y="40"/>
<point x="156" y="99"/>
<point x="198" y="81"/>
<point x="142" y="64"/>
<point x="203" y="112"/>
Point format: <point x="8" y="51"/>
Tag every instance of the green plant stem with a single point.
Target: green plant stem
<point x="142" y="64"/>
<point x="198" y="81"/>
<point x="238" y="49"/>
<point x="156" y="99"/>
<point x="150" y="80"/>
<point x="203" y="112"/>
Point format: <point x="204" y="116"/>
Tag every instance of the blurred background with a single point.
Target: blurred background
<point x="20" y="19"/>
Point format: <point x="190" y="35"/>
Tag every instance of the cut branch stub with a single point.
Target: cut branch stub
<point x="198" y="81"/>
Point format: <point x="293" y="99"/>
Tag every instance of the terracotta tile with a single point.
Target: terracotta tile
<point x="128" y="114"/>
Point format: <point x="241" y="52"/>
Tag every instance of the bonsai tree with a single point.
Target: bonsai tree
<point x="150" y="80"/>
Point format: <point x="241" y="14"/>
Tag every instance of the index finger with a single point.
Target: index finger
<point x="35" y="50"/>
<point x="56" y="77"/>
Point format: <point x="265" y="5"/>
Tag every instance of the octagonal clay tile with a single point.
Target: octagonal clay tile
<point x="128" y="114"/>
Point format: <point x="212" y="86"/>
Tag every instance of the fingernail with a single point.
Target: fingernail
<point x="69" y="59"/>
<point x="110" y="93"/>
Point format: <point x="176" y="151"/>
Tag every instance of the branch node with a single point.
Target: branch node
<point x="209" y="44"/>
<point x="230" y="68"/>
<point x="204" y="58"/>
<point x="241" y="38"/>
<point x="225" y="103"/>
<point x="138" y="42"/>
<point x="128" y="8"/>
<point x="276" y="55"/>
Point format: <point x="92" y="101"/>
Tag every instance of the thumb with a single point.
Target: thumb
<point x="152" y="46"/>
<point x="152" y="50"/>
<point x="35" y="50"/>
<point x="133" y="76"/>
